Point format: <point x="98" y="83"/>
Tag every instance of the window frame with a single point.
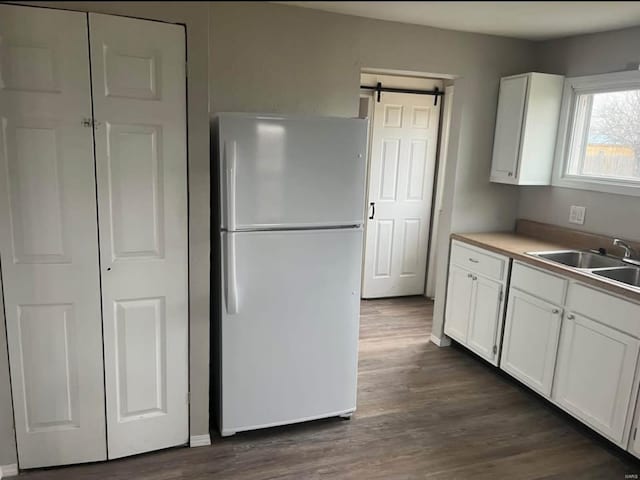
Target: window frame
<point x="574" y="86"/>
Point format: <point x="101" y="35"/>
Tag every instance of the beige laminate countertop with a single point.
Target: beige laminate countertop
<point x="515" y="246"/>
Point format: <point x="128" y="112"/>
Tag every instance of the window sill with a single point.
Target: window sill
<point x="617" y="188"/>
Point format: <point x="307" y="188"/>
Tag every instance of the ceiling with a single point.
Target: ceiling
<point x="528" y="20"/>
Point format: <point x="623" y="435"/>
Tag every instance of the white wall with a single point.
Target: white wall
<point x="608" y="214"/>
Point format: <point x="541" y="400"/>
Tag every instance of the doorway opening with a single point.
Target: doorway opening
<point x="408" y="131"/>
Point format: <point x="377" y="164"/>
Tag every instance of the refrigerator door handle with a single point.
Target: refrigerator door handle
<point x="231" y="153"/>
<point x="232" y="287"/>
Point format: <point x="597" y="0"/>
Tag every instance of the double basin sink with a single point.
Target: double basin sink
<point x="598" y="264"/>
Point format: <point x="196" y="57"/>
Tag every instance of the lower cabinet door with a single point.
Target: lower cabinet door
<point x="530" y="344"/>
<point x="484" y="322"/>
<point x="634" y="441"/>
<point x="458" y="307"/>
<point x="595" y="374"/>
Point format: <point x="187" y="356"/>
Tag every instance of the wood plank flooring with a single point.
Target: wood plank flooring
<point x="423" y="413"/>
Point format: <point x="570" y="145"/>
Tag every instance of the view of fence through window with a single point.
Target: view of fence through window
<point x="606" y="136"/>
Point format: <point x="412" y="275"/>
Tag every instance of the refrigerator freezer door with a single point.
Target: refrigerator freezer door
<point x="290" y="330"/>
<point x="290" y="172"/>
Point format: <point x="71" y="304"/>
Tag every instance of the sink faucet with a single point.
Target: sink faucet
<point x="628" y="251"/>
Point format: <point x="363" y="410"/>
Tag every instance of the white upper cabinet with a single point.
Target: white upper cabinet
<point x="526" y="126"/>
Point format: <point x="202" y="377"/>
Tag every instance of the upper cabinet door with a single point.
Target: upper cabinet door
<point x="595" y="374"/>
<point x="48" y="238"/>
<point x="509" y="123"/>
<point x="283" y="172"/>
<point x="526" y="128"/>
<point x="138" y="77"/>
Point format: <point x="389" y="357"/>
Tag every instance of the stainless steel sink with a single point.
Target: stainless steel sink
<point x="628" y="275"/>
<point x="596" y="264"/>
<point x="580" y="259"/>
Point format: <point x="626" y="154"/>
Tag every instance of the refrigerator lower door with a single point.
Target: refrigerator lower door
<point x="290" y="319"/>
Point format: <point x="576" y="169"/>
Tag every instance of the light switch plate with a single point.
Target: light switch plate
<point x="576" y="214"/>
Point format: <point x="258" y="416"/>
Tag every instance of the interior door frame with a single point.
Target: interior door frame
<point x="367" y="95"/>
<point x="438" y="180"/>
<point x="437" y="209"/>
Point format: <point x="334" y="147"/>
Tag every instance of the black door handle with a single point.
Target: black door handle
<point x="373" y="210"/>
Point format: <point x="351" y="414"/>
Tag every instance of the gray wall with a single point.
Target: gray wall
<point x="276" y="58"/>
<point x="195" y="16"/>
<point x="7" y="436"/>
<point x="574" y="56"/>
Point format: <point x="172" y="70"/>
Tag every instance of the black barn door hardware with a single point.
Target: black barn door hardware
<point x="379" y="89"/>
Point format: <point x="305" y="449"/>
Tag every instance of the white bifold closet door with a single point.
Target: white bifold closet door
<point x="138" y="71"/>
<point x="83" y="229"/>
<point x="49" y="237"/>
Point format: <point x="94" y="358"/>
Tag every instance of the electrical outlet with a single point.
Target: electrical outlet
<point x="576" y="214"/>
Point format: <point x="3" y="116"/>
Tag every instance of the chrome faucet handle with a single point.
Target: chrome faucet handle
<point x="628" y="251"/>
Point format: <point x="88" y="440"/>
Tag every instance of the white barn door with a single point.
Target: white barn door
<point x="138" y="71"/>
<point x="49" y="237"/>
<point x="401" y="174"/>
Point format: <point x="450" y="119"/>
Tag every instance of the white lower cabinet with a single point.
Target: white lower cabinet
<point x="530" y="343"/>
<point x="595" y="374"/>
<point x="576" y="345"/>
<point x="482" y="336"/>
<point x="475" y="304"/>
<point x="459" y="290"/>
<point x="634" y="439"/>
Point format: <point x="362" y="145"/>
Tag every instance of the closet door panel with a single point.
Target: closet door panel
<point x="48" y="239"/>
<point x="139" y="101"/>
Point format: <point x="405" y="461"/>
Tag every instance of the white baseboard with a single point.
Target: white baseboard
<point x="8" y="470"/>
<point x="199" y="441"/>
<point x="441" y="342"/>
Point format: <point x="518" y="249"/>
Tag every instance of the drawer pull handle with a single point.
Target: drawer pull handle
<point x="473" y="260"/>
<point x="555" y="310"/>
<point x="570" y="316"/>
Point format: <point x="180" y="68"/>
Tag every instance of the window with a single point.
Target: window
<point x="599" y="135"/>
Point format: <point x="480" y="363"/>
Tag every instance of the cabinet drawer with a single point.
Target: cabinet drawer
<point x="479" y="261"/>
<point x="538" y="283"/>
<point x="604" y="308"/>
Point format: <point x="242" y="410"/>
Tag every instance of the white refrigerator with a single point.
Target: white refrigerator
<point x="292" y="210"/>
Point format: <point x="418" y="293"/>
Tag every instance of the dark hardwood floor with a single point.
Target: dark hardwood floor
<point x="423" y="412"/>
